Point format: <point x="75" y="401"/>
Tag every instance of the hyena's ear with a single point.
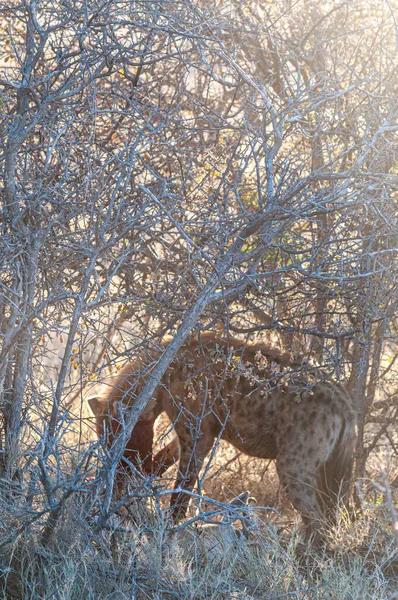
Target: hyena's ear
<point x="98" y="406"/>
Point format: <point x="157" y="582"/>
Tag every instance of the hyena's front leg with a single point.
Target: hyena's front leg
<point x="139" y="447"/>
<point x="192" y="455"/>
<point x="166" y="457"/>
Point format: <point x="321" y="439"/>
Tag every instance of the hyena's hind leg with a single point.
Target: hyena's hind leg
<point x="304" y="447"/>
<point x="335" y="476"/>
<point x="301" y="489"/>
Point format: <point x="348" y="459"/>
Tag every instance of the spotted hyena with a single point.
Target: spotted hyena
<point x="255" y="398"/>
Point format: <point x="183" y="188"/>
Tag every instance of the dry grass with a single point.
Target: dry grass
<point x="137" y="558"/>
<point x="142" y="564"/>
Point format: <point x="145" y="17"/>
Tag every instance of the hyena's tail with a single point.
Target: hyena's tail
<point x="336" y="474"/>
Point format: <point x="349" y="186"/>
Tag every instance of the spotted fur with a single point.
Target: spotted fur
<point x="255" y="398"/>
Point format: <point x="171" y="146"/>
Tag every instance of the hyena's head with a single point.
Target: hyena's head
<point x="109" y="420"/>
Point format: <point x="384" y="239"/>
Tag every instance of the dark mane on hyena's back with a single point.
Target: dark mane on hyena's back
<point x="214" y="351"/>
<point x="248" y="348"/>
